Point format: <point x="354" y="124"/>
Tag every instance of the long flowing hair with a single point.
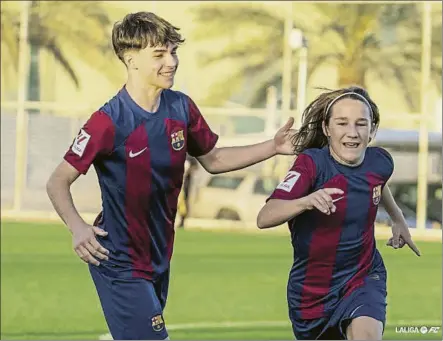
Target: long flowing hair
<point x="310" y="134"/>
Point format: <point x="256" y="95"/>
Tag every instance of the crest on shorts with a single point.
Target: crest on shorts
<point x="157" y="323"/>
<point x="178" y="140"/>
<point x="376" y="194"/>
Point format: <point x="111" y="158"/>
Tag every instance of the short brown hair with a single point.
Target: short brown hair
<point x="310" y="134"/>
<point x="138" y="30"/>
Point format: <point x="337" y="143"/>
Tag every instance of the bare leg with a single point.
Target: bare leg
<point x="365" y="328"/>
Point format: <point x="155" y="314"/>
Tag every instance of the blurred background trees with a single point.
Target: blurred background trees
<point x="362" y="40"/>
<point x="66" y="30"/>
<point x="367" y="44"/>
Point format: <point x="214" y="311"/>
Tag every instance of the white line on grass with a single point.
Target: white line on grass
<point x="227" y="324"/>
<point x="246" y="324"/>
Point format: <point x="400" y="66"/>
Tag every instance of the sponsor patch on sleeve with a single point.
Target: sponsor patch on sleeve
<point x="289" y="181"/>
<point x="80" y="143"/>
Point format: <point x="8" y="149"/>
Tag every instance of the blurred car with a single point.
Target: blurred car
<point x="236" y="195"/>
<point x="241" y="194"/>
<point x="410" y="217"/>
<point x="405" y="195"/>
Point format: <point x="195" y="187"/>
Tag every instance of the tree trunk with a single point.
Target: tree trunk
<point x="351" y="74"/>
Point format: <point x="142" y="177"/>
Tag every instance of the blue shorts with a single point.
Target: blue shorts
<point x="133" y="307"/>
<point x="368" y="300"/>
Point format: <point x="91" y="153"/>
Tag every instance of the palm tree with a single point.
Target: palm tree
<point x="68" y="30"/>
<point x="359" y="38"/>
<point x="9" y="41"/>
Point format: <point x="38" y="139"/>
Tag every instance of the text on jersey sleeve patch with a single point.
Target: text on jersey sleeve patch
<point x="289" y="181"/>
<point x="80" y="142"/>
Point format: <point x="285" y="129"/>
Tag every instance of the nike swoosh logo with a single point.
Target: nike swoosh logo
<point x="335" y="200"/>
<point x="132" y="154"/>
<point x="353" y="312"/>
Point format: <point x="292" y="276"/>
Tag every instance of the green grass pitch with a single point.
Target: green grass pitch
<point x="224" y="285"/>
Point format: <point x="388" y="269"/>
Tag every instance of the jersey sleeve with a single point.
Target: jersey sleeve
<point x="386" y="164"/>
<point x="95" y="139"/>
<point x="201" y="139"/>
<point x="299" y="180"/>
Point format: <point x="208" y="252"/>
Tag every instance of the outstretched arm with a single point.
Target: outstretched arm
<point x="226" y="159"/>
<point x="400" y="229"/>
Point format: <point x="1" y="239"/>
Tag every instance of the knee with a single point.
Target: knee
<point x="365" y="328"/>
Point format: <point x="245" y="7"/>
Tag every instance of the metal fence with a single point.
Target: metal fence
<point x="48" y="130"/>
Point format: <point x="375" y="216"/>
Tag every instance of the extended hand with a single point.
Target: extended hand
<point x="283" y="137"/>
<point x="322" y="200"/>
<point x="401" y="237"/>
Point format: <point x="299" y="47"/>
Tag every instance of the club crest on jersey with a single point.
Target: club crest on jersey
<point x="157" y="323"/>
<point x="376" y="194"/>
<point x="178" y="140"/>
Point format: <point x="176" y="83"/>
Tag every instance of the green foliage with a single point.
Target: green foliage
<point x="68" y="30"/>
<point x="358" y="38"/>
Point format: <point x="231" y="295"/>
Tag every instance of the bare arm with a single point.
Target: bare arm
<point x="277" y="212"/>
<point x="58" y="189"/>
<point x="84" y="241"/>
<point x="391" y="207"/>
<point x="400" y="229"/>
<point x="220" y="160"/>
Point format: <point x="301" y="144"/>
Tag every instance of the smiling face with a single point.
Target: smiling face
<point x="349" y="129"/>
<point x="147" y="45"/>
<point x="156" y="66"/>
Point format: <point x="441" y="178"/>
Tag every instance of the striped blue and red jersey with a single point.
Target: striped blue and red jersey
<point x="333" y="254"/>
<point x="139" y="159"/>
